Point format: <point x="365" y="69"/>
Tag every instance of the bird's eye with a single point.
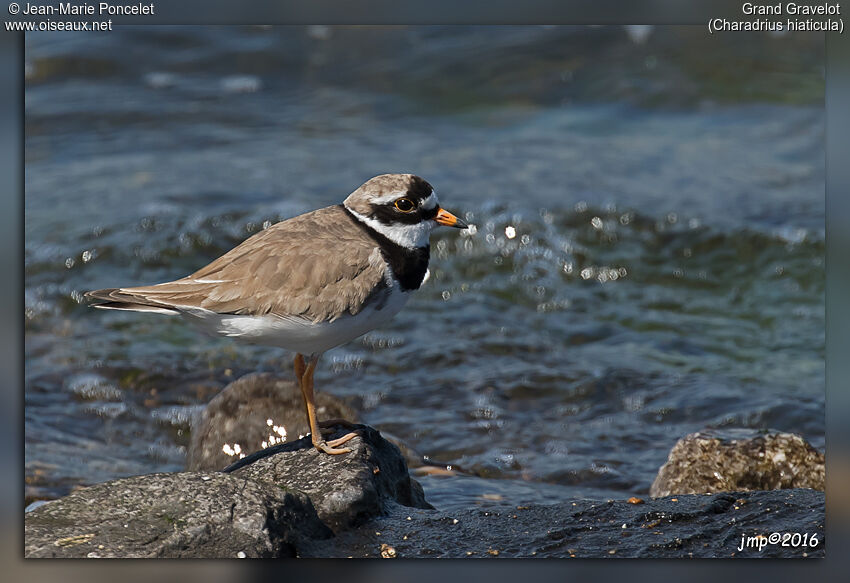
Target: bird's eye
<point x="405" y="205"/>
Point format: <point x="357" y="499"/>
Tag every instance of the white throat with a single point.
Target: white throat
<point x="408" y="236"/>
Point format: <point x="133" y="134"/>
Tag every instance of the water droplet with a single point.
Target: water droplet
<point x="446" y="295"/>
<point x="69" y="262"/>
<point x="596" y="222"/>
<point x="510" y="232"/>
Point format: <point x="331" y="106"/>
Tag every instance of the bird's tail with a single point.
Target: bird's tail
<point x="125" y="299"/>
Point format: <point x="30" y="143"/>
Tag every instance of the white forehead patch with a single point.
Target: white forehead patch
<point x="430" y="202"/>
<point x="388" y="198"/>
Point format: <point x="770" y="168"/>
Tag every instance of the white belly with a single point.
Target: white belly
<point x="298" y="334"/>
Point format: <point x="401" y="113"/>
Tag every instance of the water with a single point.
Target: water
<point x="647" y="257"/>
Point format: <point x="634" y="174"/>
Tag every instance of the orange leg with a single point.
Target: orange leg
<point x="310" y="404"/>
<point x="300" y="368"/>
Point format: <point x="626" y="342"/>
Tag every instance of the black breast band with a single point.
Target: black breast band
<point x="408" y="265"/>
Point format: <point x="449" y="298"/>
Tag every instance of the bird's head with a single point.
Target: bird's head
<point x="402" y="207"/>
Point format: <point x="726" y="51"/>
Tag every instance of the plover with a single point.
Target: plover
<point x="309" y="283"/>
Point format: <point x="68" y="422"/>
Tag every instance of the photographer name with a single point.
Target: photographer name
<point x="102" y="8"/>
<point x="791" y="9"/>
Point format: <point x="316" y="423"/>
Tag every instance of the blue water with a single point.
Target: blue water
<point x="647" y="258"/>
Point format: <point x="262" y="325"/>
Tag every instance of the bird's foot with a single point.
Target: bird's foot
<point x="333" y="423"/>
<point x="330" y="447"/>
<point x="340" y="440"/>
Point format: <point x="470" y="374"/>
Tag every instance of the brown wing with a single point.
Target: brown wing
<point x="319" y="266"/>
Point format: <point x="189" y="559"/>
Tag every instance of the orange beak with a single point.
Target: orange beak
<point x="447" y="219"/>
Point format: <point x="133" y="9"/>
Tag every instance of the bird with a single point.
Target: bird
<point x="311" y="282"/>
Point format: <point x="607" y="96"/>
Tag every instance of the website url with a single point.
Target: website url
<point x="51" y="25"/>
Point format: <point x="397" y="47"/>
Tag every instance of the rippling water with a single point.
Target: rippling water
<point x="647" y="257"/>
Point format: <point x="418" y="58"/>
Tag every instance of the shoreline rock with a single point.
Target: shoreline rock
<point x="275" y="503"/>
<point x="739" y="460"/>
<point x="686" y="526"/>
<point x="186" y="514"/>
<point x="291" y="501"/>
<point x="237" y="419"/>
<point x="345" y="489"/>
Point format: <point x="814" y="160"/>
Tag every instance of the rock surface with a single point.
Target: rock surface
<point x="174" y="515"/>
<point x="739" y="461"/>
<point x="345" y="489"/>
<point x="289" y="500"/>
<point x="260" y="509"/>
<point x="679" y="526"/>
<point x="237" y="419"/>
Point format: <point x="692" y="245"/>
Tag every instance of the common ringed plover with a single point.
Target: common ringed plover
<point x="311" y="282"/>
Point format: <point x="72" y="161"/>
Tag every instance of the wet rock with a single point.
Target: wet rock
<point x="716" y="525"/>
<point x="345" y="489"/>
<point x="236" y="421"/>
<point x="174" y="515"/>
<point x="261" y="508"/>
<point x="739" y="461"/>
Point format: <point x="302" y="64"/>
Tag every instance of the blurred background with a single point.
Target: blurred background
<point x="647" y="258"/>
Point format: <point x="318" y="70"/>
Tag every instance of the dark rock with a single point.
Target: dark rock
<point x="174" y="515"/>
<point x="345" y="489"/>
<point x="260" y="508"/>
<point x="739" y="461"/>
<point x="684" y="526"/>
<point x="237" y="419"/>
